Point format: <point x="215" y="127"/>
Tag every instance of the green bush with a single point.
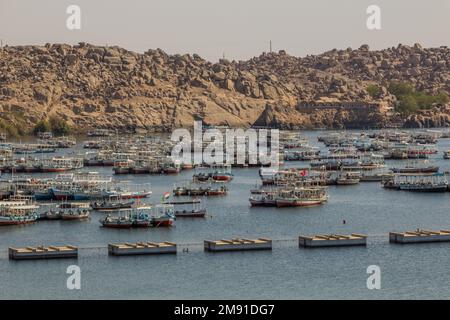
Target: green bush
<point x="9" y="129"/>
<point x="42" y="126"/>
<point x="400" y="89"/>
<point x="374" y="91"/>
<point x="410" y="101"/>
<point x="407" y="104"/>
<point x="59" y="126"/>
<point x="54" y="124"/>
<point x="442" y="97"/>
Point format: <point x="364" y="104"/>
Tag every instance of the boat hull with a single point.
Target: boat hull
<point x="121" y="171"/>
<point x="112" y="207"/>
<point x="49" y="170"/>
<point x="298" y="203"/>
<point x="263" y="203"/>
<point x="347" y="182"/>
<point x="74" y="217"/>
<point x="424" y="189"/>
<point x="117" y="225"/>
<point x="135" y="195"/>
<point x="416" y="170"/>
<point x="171" y="170"/>
<point x="142" y="224"/>
<point x="222" y="178"/>
<point x="6" y="221"/>
<point x="43" y="196"/>
<point x="157" y="222"/>
<point x="14" y="223"/>
<point x="190" y="213"/>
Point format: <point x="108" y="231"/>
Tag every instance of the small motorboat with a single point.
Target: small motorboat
<point x="16" y="219"/>
<point x="73" y="211"/>
<point x="117" y="222"/>
<point x="111" y="205"/>
<point x="53" y="215"/>
<point x="194" y="213"/>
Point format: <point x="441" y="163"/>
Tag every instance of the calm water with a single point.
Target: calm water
<point x="416" y="271"/>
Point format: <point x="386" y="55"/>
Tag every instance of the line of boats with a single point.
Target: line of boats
<point x="350" y="159"/>
<point x="82" y="186"/>
<point x="214" y="173"/>
<point x="195" y="190"/>
<point x="206" y="181"/>
<point x="141" y="217"/>
<point x="20" y="210"/>
<point x="40" y="165"/>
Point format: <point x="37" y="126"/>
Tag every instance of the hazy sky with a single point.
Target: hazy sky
<point x="240" y="28"/>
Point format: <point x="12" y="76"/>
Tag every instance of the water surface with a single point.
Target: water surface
<point x="287" y="272"/>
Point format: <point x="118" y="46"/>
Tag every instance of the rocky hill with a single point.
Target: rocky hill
<point x="109" y="87"/>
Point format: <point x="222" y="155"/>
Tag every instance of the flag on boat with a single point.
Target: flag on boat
<point x="165" y="196"/>
<point x="304" y="172"/>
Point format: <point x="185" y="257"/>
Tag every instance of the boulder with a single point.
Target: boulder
<point x="414" y="60"/>
<point x="71" y="59"/>
<point x="228" y="84"/>
<point x="199" y="83"/>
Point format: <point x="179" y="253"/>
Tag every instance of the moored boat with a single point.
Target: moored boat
<point x="108" y="205"/>
<point x="75" y="214"/>
<point x="142" y="217"/>
<point x="416" y="167"/>
<point x="53" y="215"/>
<point x="163" y="215"/>
<point x="16" y="220"/>
<point x="412" y="169"/>
<point x="188" y="209"/>
<point x="193" y="213"/>
<point x="123" y="166"/>
<point x="424" y="187"/>
<point x="263" y="200"/>
<point x="348" y="178"/>
<point x="419" y="182"/>
<point x="18" y="214"/>
<point x="301" y="197"/>
<point x="171" y="170"/>
<point x="222" y="173"/>
<point x="74" y="211"/>
<point x="117" y="222"/>
<point x="132" y="194"/>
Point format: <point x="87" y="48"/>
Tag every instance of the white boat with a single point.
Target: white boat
<point x="301" y="197"/>
<point x="20" y="214"/>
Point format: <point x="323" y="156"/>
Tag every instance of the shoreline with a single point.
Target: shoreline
<point x="84" y="134"/>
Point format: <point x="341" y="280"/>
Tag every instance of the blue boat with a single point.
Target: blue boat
<point x="43" y="195"/>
